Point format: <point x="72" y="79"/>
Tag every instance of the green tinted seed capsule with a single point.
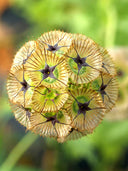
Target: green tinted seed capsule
<point x="83" y="60"/>
<point x="47" y="69"/>
<point x="48" y="100"/>
<point x="85" y="108"/>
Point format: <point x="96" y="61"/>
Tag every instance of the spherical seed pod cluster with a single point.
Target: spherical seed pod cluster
<point x="62" y="85"/>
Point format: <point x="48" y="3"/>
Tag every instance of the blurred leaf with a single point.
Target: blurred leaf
<point x="23" y="168"/>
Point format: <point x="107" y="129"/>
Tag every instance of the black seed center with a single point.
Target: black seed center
<point x="83" y="107"/>
<point x="72" y="129"/>
<point x="47" y="71"/>
<point x="28" y="113"/>
<point x="53" y="120"/>
<point x="102" y="88"/>
<point x="52" y="48"/>
<point x="78" y="60"/>
<point x="24" y="84"/>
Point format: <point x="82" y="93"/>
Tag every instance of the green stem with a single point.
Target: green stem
<point x="111" y="26"/>
<point x="109" y="12"/>
<point x="18" y="151"/>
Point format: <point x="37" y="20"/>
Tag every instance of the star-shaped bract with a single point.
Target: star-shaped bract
<point x="80" y="61"/>
<point x="48" y="72"/>
<point x="55" y="41"/>
<point x="47" y="69"/>
<point x="54" y="124"/>
<point x="102" y="89"/>
<point x="83" y="60"/>
<point x="85" y="108"/>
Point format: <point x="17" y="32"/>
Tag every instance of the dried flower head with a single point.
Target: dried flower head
<point x="62" y="85"/>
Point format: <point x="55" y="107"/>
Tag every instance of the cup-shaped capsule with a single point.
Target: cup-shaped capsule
<point x="85" y="108"/>
<point x="83" y="59"/>
<point x="19" y="86"/>
<point x="55" y="41"/>
<point x="50" y="124"/>
<point x="48" y="100"/>
<point x="46" y="68"/>
<point x="107" y="87"/>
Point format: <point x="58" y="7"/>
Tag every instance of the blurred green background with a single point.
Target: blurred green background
<point x="106" y="22"/>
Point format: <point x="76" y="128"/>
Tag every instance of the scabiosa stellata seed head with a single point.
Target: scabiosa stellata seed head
<point x="61" y="85"/>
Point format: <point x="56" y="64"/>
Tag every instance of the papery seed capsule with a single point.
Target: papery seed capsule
<point x="22" y="114"/>
<point x="107" y="63"/>
<point x="86" y="109"/>
<point x="52" y="124"/>
<point x="48" y="100"/>
<point x="73" y="134"/>
<point x="47" y="69"/>
<point x="107" y="86"/>
<point x="19" y="86"/>
<point x="24" y="53"/>
<point x="83" y="60"/>
<point x="55" y="41"/>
